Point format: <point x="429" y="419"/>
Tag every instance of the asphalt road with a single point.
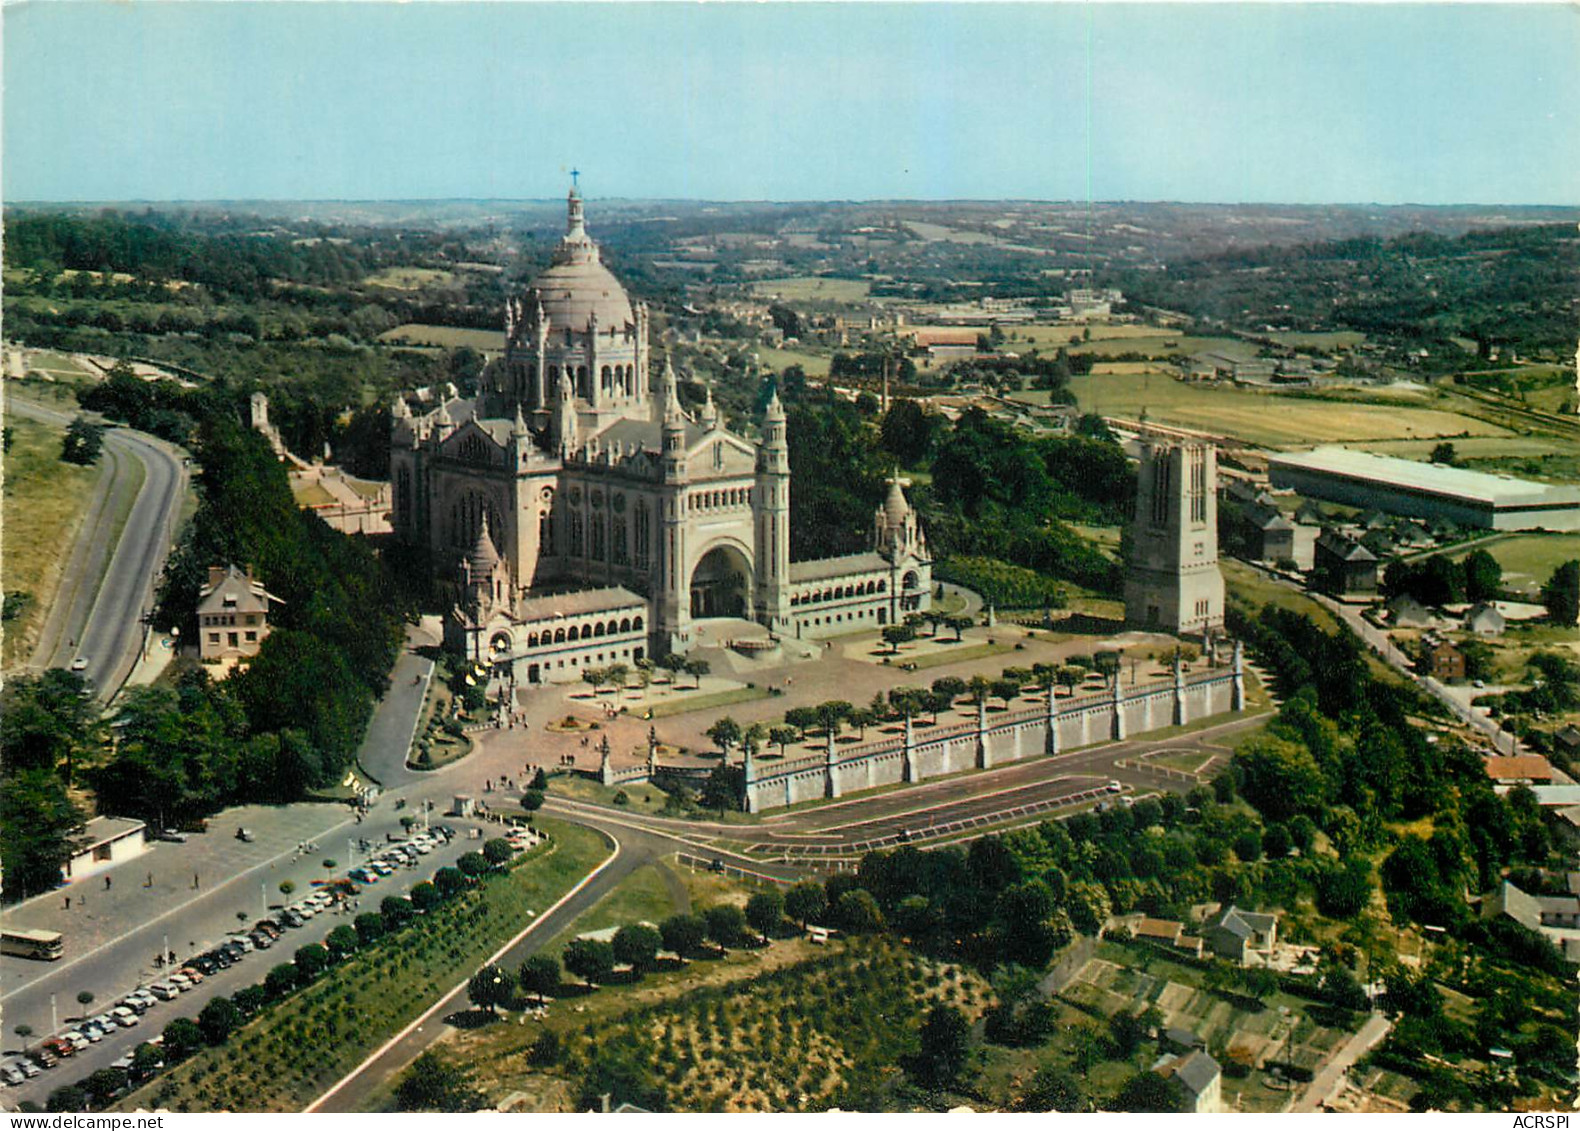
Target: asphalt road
<point x="106" y="590"/>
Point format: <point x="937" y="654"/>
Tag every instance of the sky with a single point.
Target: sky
<point x="1275" y="102"/>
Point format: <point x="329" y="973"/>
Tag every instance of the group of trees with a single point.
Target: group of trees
<point x="1440" y="580"/>
<point x="48" y="727"/>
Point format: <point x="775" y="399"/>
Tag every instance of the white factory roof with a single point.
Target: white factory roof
<point x="1433" y="478"/>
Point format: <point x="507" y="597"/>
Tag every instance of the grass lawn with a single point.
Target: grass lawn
<point x="44" y="502"/>
<point x="814" y="288"/>
<point x="410" y="278"/>
<point x="684" y="704"/>
<point x="642" y="797"/>
<point x="957" y="654"/>
<point x="813" y="364"/>
<point x="1528" y="560"/>
<point x="310" y="495"/>
<point x="1269" y="418"/>
<point x="292" y="1052"/>
<point x="642" y="897"/>
<point x="57" y="365"/>
<point x="449" y="337"/>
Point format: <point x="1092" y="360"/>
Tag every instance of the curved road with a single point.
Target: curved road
<point x="104" y="618"/>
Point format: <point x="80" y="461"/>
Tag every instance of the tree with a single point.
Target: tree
<point x="1088" y="906"/>
<point x="532" y="799"/>
<point x="85" y="997"/>
<point x="1107" y="665"/>
<point x="250" y="999"/>
<point x="802" y="719"/>
<point x="472" y="864"/>
<point x="831" y="713"/>
<point x="146" y="1059"/>
<point x="806" y="902"/>
<point x="765" y="910"/>
<point x="1279" y="777"/>
<point x="857" y="913"/>
<point x="683" y="933"/>
<point x="637" y="945"/>
<point x="725" y="733"/>
<point x="425" y="897"/>
<point x="1147" y="1091"/>
<point x="67" y="1098"/>
<point x="37" y="822"/>
<point x="896" y="634"/>
<point x="1483" y="576"/>
<point x="1052" y="1089"/>
<point x="1344" y="890"/>
<point x="280" y="980"/>
<point x="540" y="975"/>
<point x="497" y="850"/>
<point x="696" y="669"/>
<point x="1444" y="453"/>
<point x="945" y="1042"/>
<point x="218" y="1019"/>
<point x="1024" y="924"/>
<point x="105" y="1084"/>
<point x="958" y="625"/>
<point x="1006" y="690"/>
<point x="311" y="960"/>
<point x="726" y="924"/>
<point x="431" y="1084"/>
<point x="782" y="736"/>
<point x="342" y="941"/>
<point x="591" y="960"/>
<point x="950" y="686"/>
<point x="490" y="988"/>
<point x="1561" y="594"/>
<point x="182" y="1038"/>
<point x="83" y="442"/>
<point x="980" y="687"/>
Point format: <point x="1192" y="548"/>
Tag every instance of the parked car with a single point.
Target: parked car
<point x="245" y="835"/>
<point x="180" y="983"/>
<point x="28" y="1067"/>
<point x="142" y="1001"/>
<point x="43" y="1057"/>
<point x="165" y="991"/>
<point x="291" y="918"/>
<point x="169" y="835"/>
<point x="12" y="1075"/>
<point x="245" y="943"/>
<point x="92" y="1030"/>
<point x="60" y="1047"/>
<point x="262" y="940"/>
<point x="268" y="927"/>
<point x="124" y="1017"/>
<point x="79" y="1039"/>
<point x="192" y="975"/>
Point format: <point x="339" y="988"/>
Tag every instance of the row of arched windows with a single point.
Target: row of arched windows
<point x="618" y="380"/>
<point x="840" y="592"/>
<point x="584" y="632"/>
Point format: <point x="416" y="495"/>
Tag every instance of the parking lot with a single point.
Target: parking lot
<point x="111" y="1028"/>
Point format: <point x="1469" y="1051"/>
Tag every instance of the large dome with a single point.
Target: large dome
<point x="570" y="292"/>
<point x="578" y="285"/>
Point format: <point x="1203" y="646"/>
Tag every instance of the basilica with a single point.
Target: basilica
<point x="593" y="520"/>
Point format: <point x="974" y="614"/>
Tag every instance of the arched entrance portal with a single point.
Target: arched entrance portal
<point x="721" y="584"/>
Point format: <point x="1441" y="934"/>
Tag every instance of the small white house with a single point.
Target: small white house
<point x="107" y="841"/>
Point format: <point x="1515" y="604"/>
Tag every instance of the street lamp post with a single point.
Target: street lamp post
<point x="54" y="1015"/>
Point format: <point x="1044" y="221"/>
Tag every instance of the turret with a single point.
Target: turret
<point x="709" y="418"/>
<point x="565" y="425"/>
<point x="484" y="574"/>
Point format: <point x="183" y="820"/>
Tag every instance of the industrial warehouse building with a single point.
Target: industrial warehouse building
<point x="1427" y="490"/>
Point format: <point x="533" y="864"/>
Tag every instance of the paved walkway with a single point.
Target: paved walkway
<point x="1327" y="1081"/>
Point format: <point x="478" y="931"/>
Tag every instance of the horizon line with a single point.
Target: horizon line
<point x="833" y="200"/>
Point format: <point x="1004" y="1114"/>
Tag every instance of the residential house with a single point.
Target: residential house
<point x="1519" y="769"/>
<point x="1485" y="620"/>
<point x="1238" y="935"/>
<point x="1404" y="611"/>
<point x="1199" y="1079"/>
<point x="232" y="613"/>
<point x="1343" y="567"/>
<point x="1444" y="660"/>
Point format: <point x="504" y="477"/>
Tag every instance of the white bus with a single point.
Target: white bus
<point x="45" y="945"/>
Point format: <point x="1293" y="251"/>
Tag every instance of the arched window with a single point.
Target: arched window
<point x="572" y="633"/>
<point x="532" y="640"/>
<point x="559" y="636"/>
<point x="625" y="624"/>
<point x="636" y="624"/>
<point x="598" y="629"/>
<point x="604" y="380"/>
<point x="613" y="628"/>
<point x="883" y="586"/>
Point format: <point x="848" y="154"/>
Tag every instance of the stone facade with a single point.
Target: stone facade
<point x="1172" y="581"/>
<point x="570" y="473"/>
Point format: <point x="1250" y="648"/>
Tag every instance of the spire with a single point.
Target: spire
<point x="776" y="410"/>
<point x="484" y="557"/>
<point x="671" y="394"/>
<point x="710" y="413"/>
<point x="518" y="427"/>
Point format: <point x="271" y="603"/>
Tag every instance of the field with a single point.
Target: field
<point x="813" y="364"/>
<point x="56" y="366"/>
<point x="1132" y="977"/>
<point x="291" y="1053"/>
<point x="446" y="337"/>
<point x="44" y="501"/>
<point x="786" y="1028"/>
<point x="1266" y="418"/>
<point x="647" y="895"/>
<point x="310" y="494"/>
<point x="1528" y="560"/>
<point x="410" y="278"/>
<point x="1328" y="340"/>
<point x="813" y="288"/>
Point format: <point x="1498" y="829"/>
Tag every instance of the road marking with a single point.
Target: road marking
<point x="436" y="1006"/>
